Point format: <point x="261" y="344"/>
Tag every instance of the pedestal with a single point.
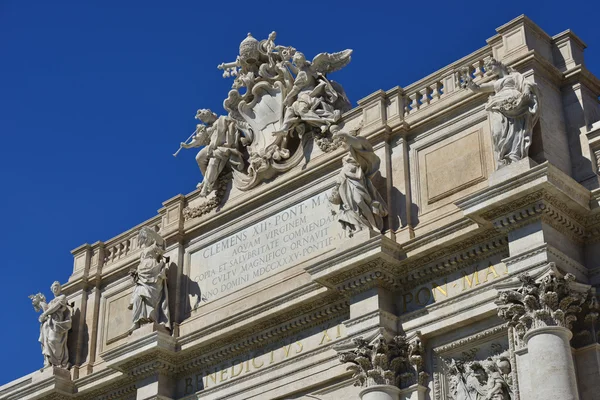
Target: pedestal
<point x="551" y="363"/>
<point x="380" y="392"/>
<point x="511" y="170"/>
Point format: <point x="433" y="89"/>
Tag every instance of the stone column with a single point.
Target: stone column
<point x="552" y="367"/>
<point x="542" y="313"/>
<point x="380" y="392"/>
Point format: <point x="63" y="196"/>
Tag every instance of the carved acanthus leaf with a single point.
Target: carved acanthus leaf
<point x="397" y="361"/>
<point x="556" y="300"/>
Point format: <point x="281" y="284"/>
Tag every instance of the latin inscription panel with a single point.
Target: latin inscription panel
<point x="300" y="232"/>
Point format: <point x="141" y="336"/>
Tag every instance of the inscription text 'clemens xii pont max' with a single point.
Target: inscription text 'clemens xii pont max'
<point x="296" y="234"/>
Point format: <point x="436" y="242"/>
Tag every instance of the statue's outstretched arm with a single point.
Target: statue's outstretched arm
<point x="483" y="88"/>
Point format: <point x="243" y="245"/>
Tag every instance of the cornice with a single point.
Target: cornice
<point x="262" y="334"/>
<point x="470" y="340"/>
<point x="271" y="304"/>
<point x="541" y="193"/>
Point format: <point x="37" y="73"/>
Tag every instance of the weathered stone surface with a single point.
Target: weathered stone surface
<point x="266" y="289"/>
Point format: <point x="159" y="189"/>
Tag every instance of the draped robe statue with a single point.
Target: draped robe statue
<point x="150" y="298"/>
<point x="360" y="204"/>
<point x="55" y="325"/>
<point x="513" y="112"/>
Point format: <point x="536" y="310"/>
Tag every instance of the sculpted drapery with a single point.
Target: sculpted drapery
<point x="360" y="204"/>
<point x="513" y="111"/>
<point x="55" y="325"/>
<point x="150" y="297"/>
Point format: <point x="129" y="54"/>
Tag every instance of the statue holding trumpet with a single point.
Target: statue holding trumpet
<point x="220" y="137"/>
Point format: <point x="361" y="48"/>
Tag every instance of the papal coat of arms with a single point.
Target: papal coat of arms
<point x="278" y="102"/>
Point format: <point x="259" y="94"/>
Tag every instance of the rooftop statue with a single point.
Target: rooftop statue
<point x="277" y="103"/>
<point x="150" y="298"/>
<point x="513" y="109"/>
<point x="55" y="323"/>
<point x="359" y="203"/>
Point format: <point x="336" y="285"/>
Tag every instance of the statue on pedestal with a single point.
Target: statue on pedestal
<point x="359" y="203"/>
<point x="513" y="110"/>
<point x="55" y="325"/>
<point x="150" y="298"/>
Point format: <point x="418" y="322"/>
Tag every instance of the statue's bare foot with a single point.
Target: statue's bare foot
<point x="134" y="327"/>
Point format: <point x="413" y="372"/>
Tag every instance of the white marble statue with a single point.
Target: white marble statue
<point x="313" y="99"/>
<point x="220" y="138"/>
<point x="55" y="323"/>
<point x="277" y="103"/>
<point x="150" y="297"/>
<point x="359" y="203"/>
<point x="513" y="111"/>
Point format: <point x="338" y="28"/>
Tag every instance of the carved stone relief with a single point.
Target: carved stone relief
<point x="471" y="378"/>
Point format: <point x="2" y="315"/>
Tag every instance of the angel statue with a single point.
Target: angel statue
<point x="513" y="111"/>
<point x="55" y="325"/>
<point x="220" y="138"/>
<point x="150" y="297"/>
<point x="360" y="204"/>
<point x="314" y="99"/>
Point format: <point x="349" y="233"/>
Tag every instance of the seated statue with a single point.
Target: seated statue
<point x="220" y="137"/>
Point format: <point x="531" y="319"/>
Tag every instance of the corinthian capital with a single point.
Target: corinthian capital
<point x="554" y="300"/>
<point x="396" y="361"/>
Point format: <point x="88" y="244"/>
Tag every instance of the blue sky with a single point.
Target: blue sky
<point x="96" y="96"/>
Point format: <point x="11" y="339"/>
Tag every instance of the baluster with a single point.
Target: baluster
<point x="107" y="255"/>
<point x="127" y="246"/>
<point x="414" y="102"/>
<point x="478" y="69"/>
<point x="436" y="92"/>
<point x="425" y="97"/>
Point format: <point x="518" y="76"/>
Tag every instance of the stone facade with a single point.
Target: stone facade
<point x="480" y="285"/>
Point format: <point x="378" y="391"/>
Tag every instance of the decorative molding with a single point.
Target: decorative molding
<point x="269" y="331"/>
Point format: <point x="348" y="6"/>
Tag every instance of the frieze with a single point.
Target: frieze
<point x="234" y="369"/>
<point x="458" y="283"/>
<point x="482" y="242"/>
<point x="269" y="331"/>
<point x="423" y="269"/>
